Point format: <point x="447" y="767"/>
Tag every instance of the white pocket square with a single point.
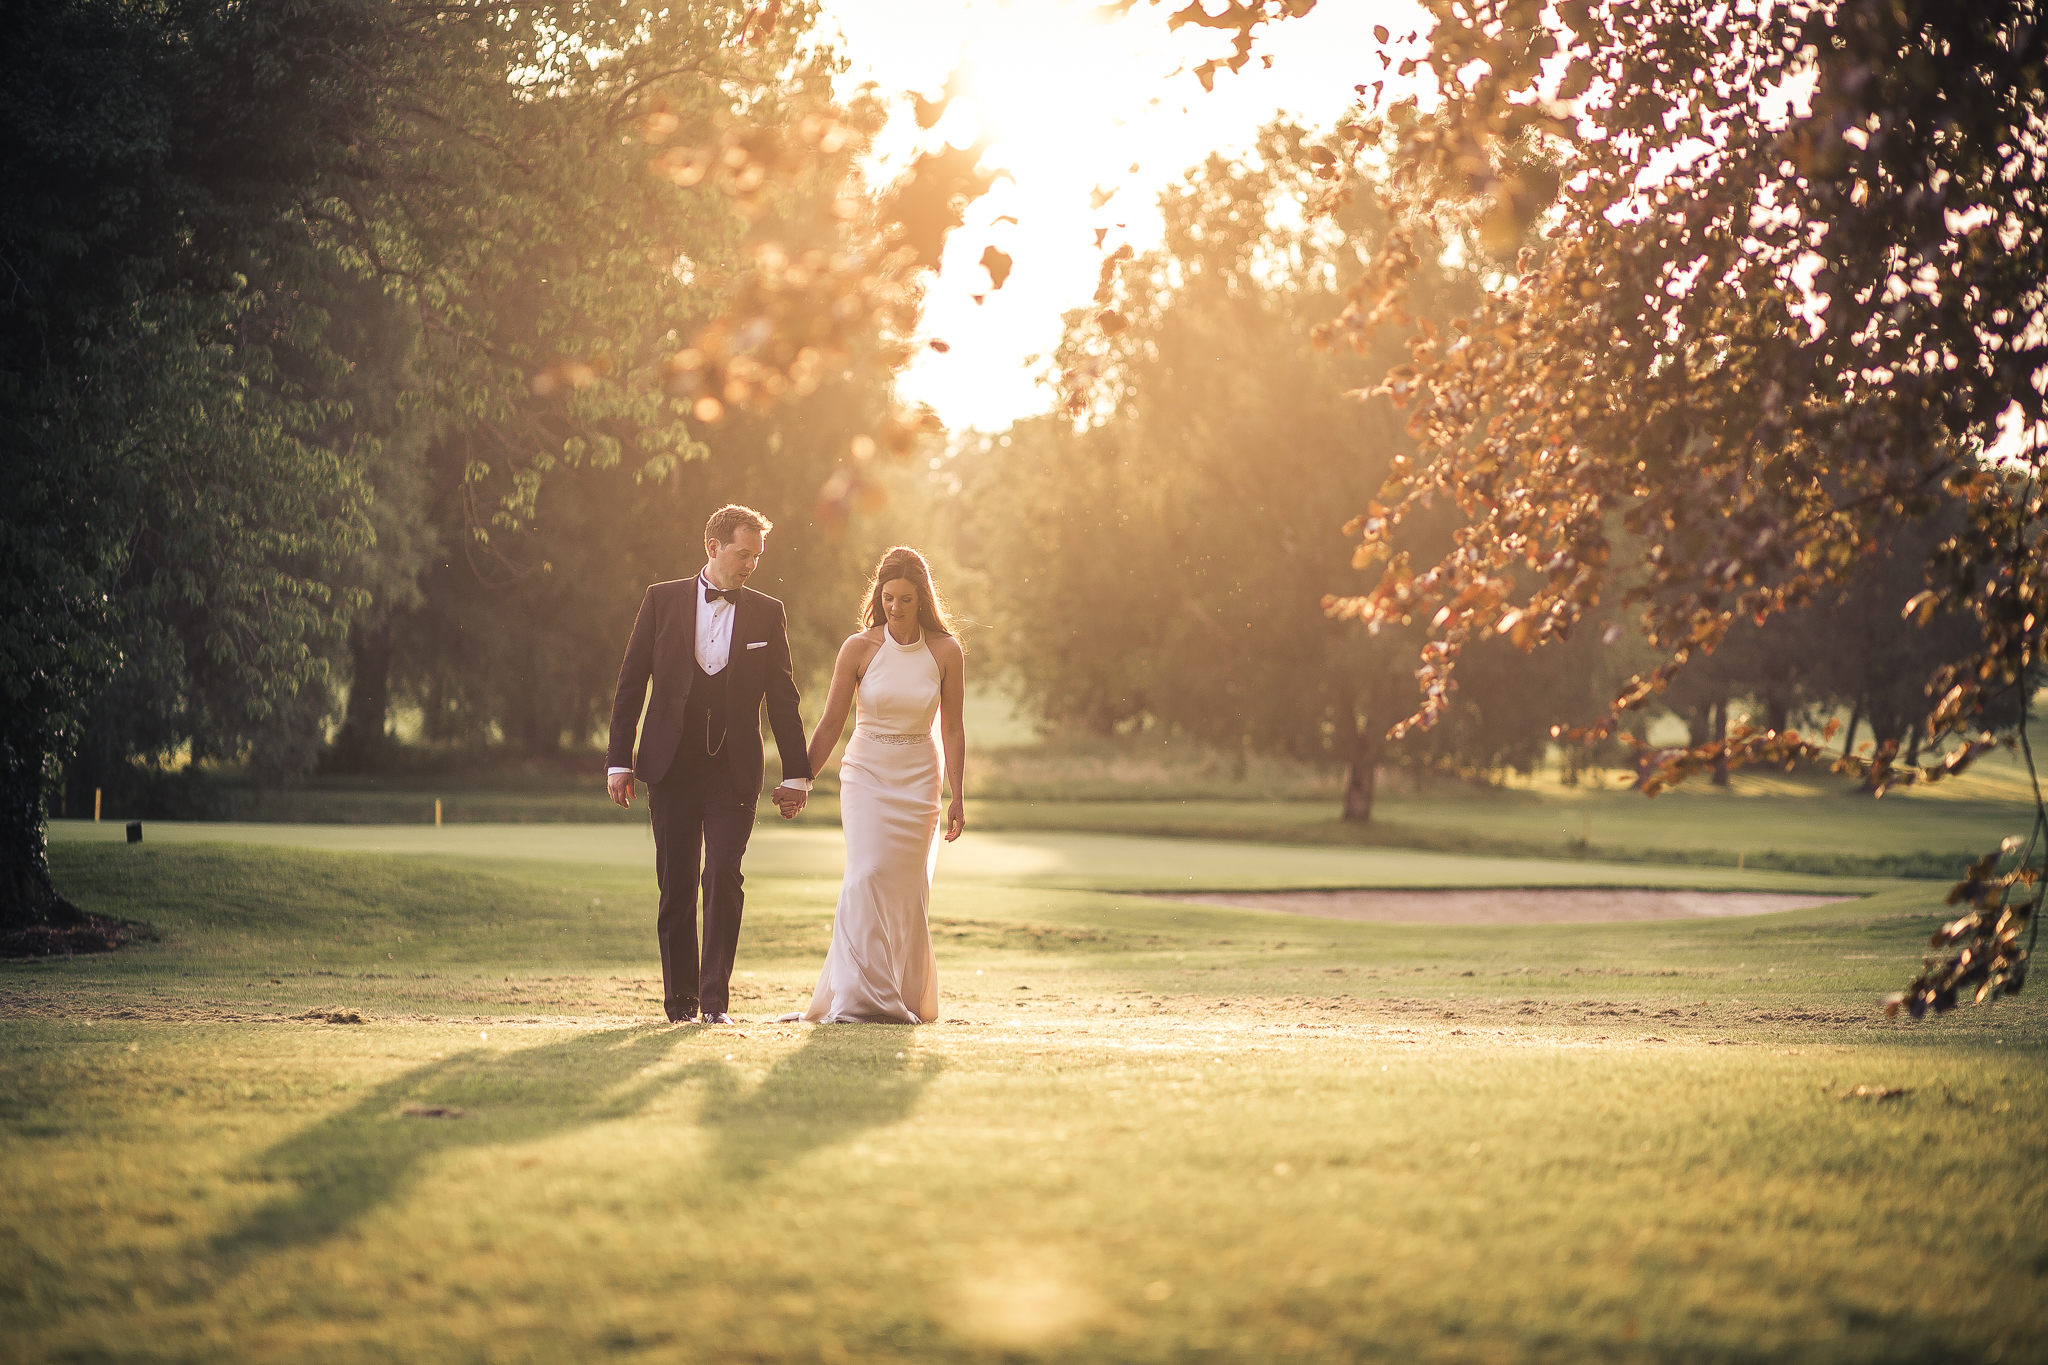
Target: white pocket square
<point x="757" y="644"/>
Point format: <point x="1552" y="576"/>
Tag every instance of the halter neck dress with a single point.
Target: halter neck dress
<point x="880" y="968"/>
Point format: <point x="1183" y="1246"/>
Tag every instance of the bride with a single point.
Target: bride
<point x="902" y="670"/>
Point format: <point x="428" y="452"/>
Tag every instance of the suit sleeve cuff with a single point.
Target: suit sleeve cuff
<point x="614" y="772"/>
<point x="801" y="784"/>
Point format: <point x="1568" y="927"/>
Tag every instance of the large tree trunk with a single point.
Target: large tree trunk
<point x="1720" y="778"/>
<point x="360" y="746"/>
<point x="1362" y="773"/>
<point x="1890" y="727"/>
<point x="536" y="727"/>
<point x="34" y="920"/>
<point x="1699" y="723"/>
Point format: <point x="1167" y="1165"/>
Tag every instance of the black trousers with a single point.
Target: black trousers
<point x="702" y="821"/>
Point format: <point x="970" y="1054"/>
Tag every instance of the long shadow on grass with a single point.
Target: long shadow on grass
<point x="846" y="1078"/>
<point x="341" y="1169"/>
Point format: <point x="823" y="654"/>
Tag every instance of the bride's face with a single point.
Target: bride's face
<point x="899" y="604"/>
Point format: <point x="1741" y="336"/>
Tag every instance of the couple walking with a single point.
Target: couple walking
<point x="713" y="651"/>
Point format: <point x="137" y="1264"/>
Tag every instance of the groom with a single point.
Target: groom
<point x="714" y="649"/>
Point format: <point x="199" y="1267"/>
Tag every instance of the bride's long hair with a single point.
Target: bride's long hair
<point x="907" y="564"/>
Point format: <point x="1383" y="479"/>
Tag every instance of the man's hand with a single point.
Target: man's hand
<point x="789" y="801"/>
<point x="620" y="785"/>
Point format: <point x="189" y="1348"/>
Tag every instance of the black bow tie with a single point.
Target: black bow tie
<point x="712" y="594"/>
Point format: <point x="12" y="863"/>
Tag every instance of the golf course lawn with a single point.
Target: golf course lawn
<point x="1146" y="1130"/>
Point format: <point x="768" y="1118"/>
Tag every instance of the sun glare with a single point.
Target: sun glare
<point x="1091" y="118"/>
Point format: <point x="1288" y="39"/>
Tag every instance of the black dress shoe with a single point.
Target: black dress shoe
<point x="718" y="1017"/>
<point x="682" y="1016"/>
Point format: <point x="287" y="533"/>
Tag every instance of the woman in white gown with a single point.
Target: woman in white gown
<point x="902" y="672"/>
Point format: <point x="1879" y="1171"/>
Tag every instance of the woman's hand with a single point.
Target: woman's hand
<point x="956" y="819"/>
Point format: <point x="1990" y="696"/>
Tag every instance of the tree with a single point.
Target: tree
<point x="388" y="433"/>
<point x="1790" y="295"/>
<point x="580" y="439"/>
<point x="520" y="638"/>
<point x="167" y="504"/>
<point x="1161" y="563"/>
<point x="1847" y="649"/>
<point x="1867" y="657"/>
<point x="301" y="247"/>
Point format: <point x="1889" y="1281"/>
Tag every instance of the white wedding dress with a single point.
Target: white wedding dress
<point x="880" y="968"/>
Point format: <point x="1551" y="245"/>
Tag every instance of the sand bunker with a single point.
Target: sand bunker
<point x="1513" y="905"/>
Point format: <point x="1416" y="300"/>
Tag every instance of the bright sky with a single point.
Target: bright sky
<point x="1076" y="106"/>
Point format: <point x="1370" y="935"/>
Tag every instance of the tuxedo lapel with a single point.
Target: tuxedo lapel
<point x="686" y="666"/>
<point x="742" y="617"/>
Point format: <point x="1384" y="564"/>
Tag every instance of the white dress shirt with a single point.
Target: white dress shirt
<point x="714" y="652"/>
<point x="714" y="630"/>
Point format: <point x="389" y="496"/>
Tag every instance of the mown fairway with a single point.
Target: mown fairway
<point x="1810" y="822"/>
<point x="1148" y="1130"/>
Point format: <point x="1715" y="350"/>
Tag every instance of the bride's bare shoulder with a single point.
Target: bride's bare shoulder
<point x="861" y="644"/>
<point x="946" y="648"/>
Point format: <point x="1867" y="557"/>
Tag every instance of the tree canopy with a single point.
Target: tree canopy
<point x="306" y="299"/>
<point x="1788" y="291"/>
<point x="168" y="505"/>
<point x="1789" y="300"/>
<point x="1184" y="513"/>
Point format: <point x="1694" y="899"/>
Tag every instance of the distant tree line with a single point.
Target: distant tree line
<point x="1161" y="560"/>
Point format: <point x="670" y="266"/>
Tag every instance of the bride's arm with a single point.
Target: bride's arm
<point x="953" y="733"/>
<point x="838" y="701"/>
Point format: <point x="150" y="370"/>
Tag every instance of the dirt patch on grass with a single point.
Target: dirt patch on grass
<point x="1513" y="905"/>
<point x="77" y="934"/>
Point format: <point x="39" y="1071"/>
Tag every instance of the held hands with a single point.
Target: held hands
<point x="956" y="819"/>
<point x="789" y="801"/>
<point x="620" y="787"/>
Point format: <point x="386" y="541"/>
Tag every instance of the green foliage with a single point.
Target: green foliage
<point x="1658" y="357"/>
<point x="557" y="257"/>
<point x="440" y="412"/>
<point x="522" y="638"/>
<point x="168" y="509"/>
<point x="1164" y="564"/>
<point x="1788" y="299"/>
<point x="1847" y="650"/>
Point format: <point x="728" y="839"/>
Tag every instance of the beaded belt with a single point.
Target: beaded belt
<point x="881" y="738"/>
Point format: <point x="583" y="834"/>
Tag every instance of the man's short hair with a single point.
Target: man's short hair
<point x="728" y="519"/>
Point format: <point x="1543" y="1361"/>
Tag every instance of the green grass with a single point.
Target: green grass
<point x="1827" y="834"/>
<point x="1046" y="858"/>
<point x="1809" y="823"/>
<point x="1156" y="1132"/>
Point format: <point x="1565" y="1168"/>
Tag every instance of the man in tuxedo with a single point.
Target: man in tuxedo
<point x="714" y="650"/>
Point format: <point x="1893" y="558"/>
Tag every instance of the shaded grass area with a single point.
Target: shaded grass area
<point x="1163" y="1132"/>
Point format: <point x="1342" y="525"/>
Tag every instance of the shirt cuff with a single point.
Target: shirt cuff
<point x="614" y="772"/>
<point x="801" y="784"/>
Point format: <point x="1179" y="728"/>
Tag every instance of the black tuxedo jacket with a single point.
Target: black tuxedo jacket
<point x="664" y="650"/>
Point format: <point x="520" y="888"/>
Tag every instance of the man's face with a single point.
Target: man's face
<point x="731" y="563"/>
